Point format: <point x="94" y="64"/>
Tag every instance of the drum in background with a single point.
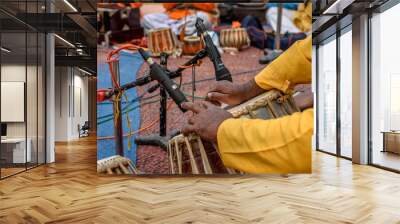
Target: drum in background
<point x="116" y="165"/>
<point x="234" y="38"/>
<point x="161" y="40"/>
<point x="191" y="45"/>
<point x="192" y="155"/>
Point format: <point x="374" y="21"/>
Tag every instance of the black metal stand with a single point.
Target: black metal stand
<point x="162" y="138"/>
<point x="163" y="99"/>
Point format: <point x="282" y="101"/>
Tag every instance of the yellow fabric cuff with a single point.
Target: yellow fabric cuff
<point x="267" y="80"/>
<point x="221" y="129"/>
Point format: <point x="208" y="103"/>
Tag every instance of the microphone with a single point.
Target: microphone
<point x="158" y="73"/>
<point x="221" y="72"/>
<point x="105" y="94"/>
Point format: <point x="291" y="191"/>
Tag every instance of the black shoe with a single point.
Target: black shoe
<point x="270" y="57"/>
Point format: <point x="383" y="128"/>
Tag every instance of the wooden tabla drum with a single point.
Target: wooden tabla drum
<point x="192" y="155"/>
<point x="116" y="165"/>
<point x="191" y="45"/>
<point x="234" y="38"/>
<point x="161" y="40"/>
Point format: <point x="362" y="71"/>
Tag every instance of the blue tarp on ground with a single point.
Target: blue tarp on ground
<point x="130" y="64"/>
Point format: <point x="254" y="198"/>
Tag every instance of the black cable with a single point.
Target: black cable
<point x="134" y="108"/>
<point x="180" y="81"/>
<point x="213" y="78"/>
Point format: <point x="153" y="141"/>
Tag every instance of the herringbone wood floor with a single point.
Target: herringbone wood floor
<point x="70" y="191"/>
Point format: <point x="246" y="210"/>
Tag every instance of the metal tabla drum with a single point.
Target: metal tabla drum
<point x="191" y="45"/>
<point x="234" y="38"/>
<point x="192" y="155"/>
<point x="161" y="40"/>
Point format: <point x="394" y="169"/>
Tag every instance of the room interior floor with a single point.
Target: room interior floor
<point x="387" y="159"/>
<point x="70" y="191"/>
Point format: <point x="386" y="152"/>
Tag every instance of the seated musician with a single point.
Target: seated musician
<point x="179" y="14"/>
<point x="281" y="145"/>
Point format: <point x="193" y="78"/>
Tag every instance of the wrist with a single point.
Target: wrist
<point x="250" y="90"/>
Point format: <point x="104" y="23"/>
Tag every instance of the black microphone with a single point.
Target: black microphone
<point x="221" y="72"/>
<point x="158" y="73"/>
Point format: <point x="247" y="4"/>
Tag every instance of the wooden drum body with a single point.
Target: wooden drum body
<point x="161" y="40"/>
<point x="191" y="155"/>
<point x="191" y="45"/>
<point x="234" y="38"/>
<point x="116" y="165"/>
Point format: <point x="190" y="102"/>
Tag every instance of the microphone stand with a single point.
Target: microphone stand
<point x="162" y="138"/>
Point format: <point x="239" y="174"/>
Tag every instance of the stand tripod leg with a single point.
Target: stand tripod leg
<point x="162" y="139"/>
<point x="156" y="140"/>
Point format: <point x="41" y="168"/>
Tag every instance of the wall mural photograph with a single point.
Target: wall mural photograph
<point x="192" y="89"/>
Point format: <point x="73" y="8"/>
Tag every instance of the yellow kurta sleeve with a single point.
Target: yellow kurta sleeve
<point x="291" y="68"/>
<point x="280" y="145"/>
<point x="303" y="17"/>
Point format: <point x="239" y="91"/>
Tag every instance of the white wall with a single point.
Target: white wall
<point x="62" y="81"/>
<point x="33" y="127"/>
<point x="71" y="94"/>
<point x="16" y="73"/>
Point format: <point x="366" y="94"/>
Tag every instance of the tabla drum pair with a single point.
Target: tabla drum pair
<point x="236" y="38"/>
<point x="192" y="155"/>
<point x="162" y="40"/>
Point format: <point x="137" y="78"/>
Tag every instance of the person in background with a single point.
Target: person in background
<point x="281" y="145"/>
<point x="303" y="17"/>
<point x="295" y="17"/>
<point x="176" y="15"/>
<point x="296" y="22"/>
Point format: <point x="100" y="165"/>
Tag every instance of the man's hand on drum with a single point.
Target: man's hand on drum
<point x="232" y="93"/>
<point x="207" y="117"/>
<point x="205" y="120"/>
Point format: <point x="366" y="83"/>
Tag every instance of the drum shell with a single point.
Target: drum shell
<point x="192" y="45"/>
<point x="161" y="40"/>
<point x="213" y="159"/>
<point x="234" y="38"/>
<point x="270" y="105"/>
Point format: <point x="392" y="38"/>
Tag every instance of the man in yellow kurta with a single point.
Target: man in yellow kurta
<point x="281" y="145"/>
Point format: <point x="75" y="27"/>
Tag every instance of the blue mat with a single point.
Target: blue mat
<point x="130" y="64"/>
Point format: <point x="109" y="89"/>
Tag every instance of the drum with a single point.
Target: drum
<point x="234" y="38"/>
<point x="161" y="40"/>
<point x="191" y="45"/>
<point x="116" y="165"/>
<point x="192" y="155"/>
